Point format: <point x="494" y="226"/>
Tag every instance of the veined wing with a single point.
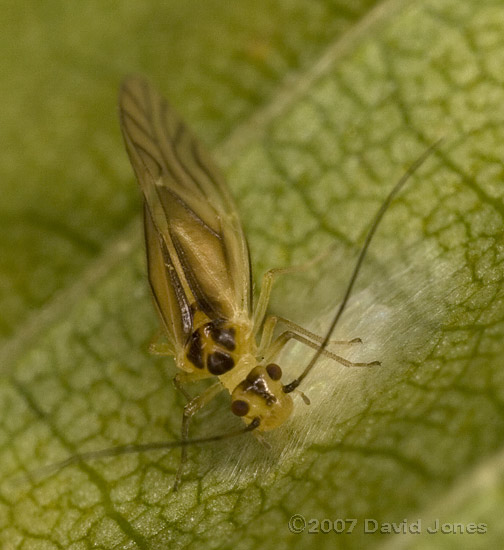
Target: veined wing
<point x="196" y="248"/>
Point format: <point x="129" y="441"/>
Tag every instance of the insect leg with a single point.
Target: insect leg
<point x="134" y="448"/>
<point x="190" y="409"/>
<point x="182" y="378"/>
<point x="271" y="323"/>
<point x="267" y="284"/>
<point x="185" y="378"/>
<point x="282" y="340"/>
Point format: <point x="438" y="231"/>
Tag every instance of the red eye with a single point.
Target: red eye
<point x="274" y="371"/>
<point x="239" y="407"/>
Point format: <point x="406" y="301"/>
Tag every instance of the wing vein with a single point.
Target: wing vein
<point x="206" y="305"/>
<point x="197" y="251"/>
<point x="192" y="213"/>
<point x="174" y="142"/>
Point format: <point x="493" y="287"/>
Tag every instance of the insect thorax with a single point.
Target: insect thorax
<point x="227" y="349"/>
<point x="216" y="346"/>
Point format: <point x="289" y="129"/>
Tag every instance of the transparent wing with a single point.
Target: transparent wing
<point x="196" y="248"/>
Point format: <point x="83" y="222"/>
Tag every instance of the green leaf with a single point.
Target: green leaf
<point x="419" y="438"/>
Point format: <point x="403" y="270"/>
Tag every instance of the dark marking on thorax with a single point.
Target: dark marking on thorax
<point x="211" y="345"/>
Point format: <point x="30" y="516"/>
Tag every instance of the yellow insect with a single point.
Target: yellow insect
<point x="200" y="276"/>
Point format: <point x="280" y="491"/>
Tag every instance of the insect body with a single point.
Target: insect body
<point x="199" y="267"/>
<point x="198" y="260"/>
<point x="200" y="276"/>
<point x="199" y="270"/>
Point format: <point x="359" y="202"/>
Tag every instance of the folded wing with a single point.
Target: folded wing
<point x="196" y="248"/>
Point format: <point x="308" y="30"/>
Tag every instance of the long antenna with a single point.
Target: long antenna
<point x="139" y="448"/>
<point x="370" y="234"/>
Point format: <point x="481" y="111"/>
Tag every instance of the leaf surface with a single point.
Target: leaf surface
<point x="419" y="437"/>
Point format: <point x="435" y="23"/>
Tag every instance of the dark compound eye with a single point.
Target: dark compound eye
<point x="239" y="407"/>
<point x="274" y="371"/>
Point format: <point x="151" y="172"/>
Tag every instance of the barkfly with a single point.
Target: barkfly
<point x="200" y="275"/>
